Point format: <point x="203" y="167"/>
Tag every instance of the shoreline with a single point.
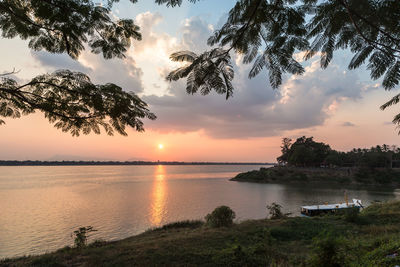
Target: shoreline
<point x="321" y="176"/>
<point x="368" y="237"/>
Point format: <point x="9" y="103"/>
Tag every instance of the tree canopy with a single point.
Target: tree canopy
<point x="69" y="99"/>
<point x="305" y="152"/>
<point x="267" y="33"/>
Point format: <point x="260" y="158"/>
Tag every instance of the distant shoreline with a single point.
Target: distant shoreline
<point x="117" y="163"/>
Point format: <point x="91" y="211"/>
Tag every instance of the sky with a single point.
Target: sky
<point x="336" y="106"/>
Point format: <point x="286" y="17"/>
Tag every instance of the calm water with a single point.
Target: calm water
<point x="41" y="206"/>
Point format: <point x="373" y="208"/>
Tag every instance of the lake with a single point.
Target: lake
<point x="41" y="206"/>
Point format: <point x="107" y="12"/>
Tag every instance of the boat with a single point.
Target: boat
<point x="315" y="210"/>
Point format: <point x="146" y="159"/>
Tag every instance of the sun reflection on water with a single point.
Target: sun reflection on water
<point x="158" y="210"/>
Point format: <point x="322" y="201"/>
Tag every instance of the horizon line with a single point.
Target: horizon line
<point x="113" y="162"/>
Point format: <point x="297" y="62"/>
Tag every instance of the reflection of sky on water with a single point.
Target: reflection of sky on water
<point x="41" y="206"/>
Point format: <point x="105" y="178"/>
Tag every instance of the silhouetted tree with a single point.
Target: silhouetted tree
<point x="370" y="29"/>
<point x="285" y="148"/>
<point x="281" y="28"/>
<point x="69" y="99"/>
<point x="305" y="152"/>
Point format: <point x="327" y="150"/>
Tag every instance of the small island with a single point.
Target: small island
<point x="306" y="160"/>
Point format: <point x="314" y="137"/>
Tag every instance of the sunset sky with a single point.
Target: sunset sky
<point x="336" y="106"/>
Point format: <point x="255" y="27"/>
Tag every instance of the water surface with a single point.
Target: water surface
<point x="41" y="206"/>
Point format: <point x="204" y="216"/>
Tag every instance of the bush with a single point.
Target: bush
<point x="328" y="251"/>
<point x="192" y="224"/>
<point x="351" y="215"/>
<point x="386" y="254"/>
<point x="221" y="217"/>
<point x="81" y="236"/>
<point x="275" y="211"/>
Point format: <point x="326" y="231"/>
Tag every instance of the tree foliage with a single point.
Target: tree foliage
<point x="269" y="33"/>
<point x="73" y="103"/>
<point x="305" y="152"/>
<point x="69" y="99"/>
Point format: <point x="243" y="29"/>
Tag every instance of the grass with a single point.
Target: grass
<point x="370" y="238"/>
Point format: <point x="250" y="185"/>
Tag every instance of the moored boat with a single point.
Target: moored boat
<point x="314" y="210"/>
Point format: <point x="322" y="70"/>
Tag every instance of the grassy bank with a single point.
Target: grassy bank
<point x="321" y="175"/>
<point x="370" y="238"/>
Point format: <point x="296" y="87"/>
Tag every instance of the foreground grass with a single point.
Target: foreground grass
<point x="370" y="238"/>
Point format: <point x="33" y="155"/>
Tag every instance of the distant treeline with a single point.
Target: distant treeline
<point x="89" y="163"/>
<point x="305" y="152"/>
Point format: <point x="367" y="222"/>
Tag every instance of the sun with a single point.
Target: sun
<point x="160" y="146"/>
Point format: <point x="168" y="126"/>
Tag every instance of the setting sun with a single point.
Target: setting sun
<point x="160" y="146"/>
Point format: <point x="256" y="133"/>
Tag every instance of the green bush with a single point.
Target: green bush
<point x="386" y="254"/>
<point x="351" y="215"/>
<point x="221" y="217"/>
<point x="328" y="251"/>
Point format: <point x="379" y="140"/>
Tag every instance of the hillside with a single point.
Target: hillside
<point x="366" y="239"/>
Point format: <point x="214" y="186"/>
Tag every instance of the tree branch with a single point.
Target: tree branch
<point x="370" y="41"/>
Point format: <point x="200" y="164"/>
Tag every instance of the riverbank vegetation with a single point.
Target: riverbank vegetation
<point x="321" y="176"/>
<point x="305" y="152"/>
<point x="306" y="160"/>
<point x="368" y="238"/>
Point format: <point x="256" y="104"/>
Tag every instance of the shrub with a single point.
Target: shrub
<point x="192" y="224"/>
<point x="221" y="217"/>
<point x="275" y="211"/>
<point x="386" y="254"/>
<point x="328" y="251"/>
<point x="81" y="236"/>
<point x="351" y="215"/>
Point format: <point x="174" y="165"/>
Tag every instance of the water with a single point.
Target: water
<point x="41" y="206"/>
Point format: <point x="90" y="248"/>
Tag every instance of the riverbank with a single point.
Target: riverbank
<point x="321" y="175"/>
<point x="366" y="239"/>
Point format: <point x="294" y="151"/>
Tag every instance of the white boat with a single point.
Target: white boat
<point x="330" y="208"/>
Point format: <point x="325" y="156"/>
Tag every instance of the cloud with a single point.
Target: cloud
<point x="348" y="124"/>
<point x="58" y="61"/>
<point x="256" y="110"/>
<point x="124" y="73"/>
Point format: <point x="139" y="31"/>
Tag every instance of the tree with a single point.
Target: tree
<point x="285" y="149"/>
<point x="280" y="28"/>
<point x="304" y="152"/>
<point x="370" y="29"/>
<point x="69" y="99"/>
